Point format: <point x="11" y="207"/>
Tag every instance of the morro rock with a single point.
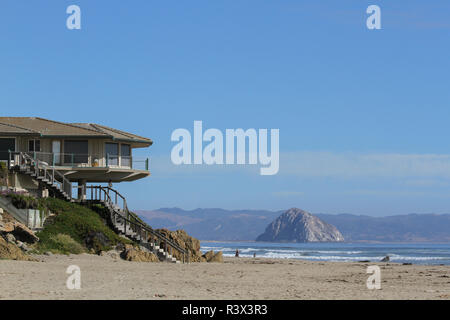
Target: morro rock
<point x="296" y="225"/>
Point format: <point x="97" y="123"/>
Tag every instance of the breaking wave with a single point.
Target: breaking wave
<point x="401" y="253"/>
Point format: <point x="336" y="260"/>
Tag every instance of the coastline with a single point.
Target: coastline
<point x="415" y="253"/>
<point x="340" y="242"/>
<point x="106" y="277"/>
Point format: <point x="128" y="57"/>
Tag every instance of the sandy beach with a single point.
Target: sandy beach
<point x="106" y="277"/>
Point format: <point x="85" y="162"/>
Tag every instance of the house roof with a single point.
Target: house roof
<point x="8" y="129"/>
<point x="49" y="128"/>
<point x="117" y="134"/>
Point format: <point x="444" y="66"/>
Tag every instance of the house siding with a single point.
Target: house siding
<point x="96" y="148"/>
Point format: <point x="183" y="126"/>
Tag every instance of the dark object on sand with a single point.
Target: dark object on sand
<point x="407" y="263"/>
<point x="385" y="259"/>
<point x="364" y="261"/>
<point x="237" y="253"/>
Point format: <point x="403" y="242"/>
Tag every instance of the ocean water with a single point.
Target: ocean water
<point x="417" y="253"/>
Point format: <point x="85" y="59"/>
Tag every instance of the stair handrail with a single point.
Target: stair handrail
<point x="135" y="221"/>
<point x="66" y="185"/>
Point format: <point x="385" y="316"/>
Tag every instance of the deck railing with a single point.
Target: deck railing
<point x="91" y="160"/>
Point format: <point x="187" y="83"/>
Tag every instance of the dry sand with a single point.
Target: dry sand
<point x="103" y="277"/>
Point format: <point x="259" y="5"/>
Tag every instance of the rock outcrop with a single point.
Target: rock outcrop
<point x="138" y="255"/>
<point x="6" y="227"/>
<point x="9" y="250"/>
<point x="210" y="256"/>
<point x="13" y="234"/>
<point x="21" y="232"/>
<point x="296" y="225"/>
<point x="185" y="241"/>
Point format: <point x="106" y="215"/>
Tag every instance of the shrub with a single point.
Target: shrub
<point x="3" y="174"/>
<point x="62" y="243"/>
<point x="24" y="202"/>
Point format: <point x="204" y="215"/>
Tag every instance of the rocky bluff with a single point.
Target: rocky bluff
<point x="296" y="225"/>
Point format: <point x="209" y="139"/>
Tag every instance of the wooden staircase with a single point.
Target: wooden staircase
<point x="127" y="224"/>
<point x="47" y="176"/>
<point x="123" y="221"/>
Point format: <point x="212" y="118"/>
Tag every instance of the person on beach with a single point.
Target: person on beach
<point x="237" y="253"/>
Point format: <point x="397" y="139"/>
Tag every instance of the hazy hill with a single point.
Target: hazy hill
<point x="400" y="228"/>
<point x="212" y="224"/>
<point x="220" y="224"/>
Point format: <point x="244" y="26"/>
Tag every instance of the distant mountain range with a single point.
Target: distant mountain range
<point x="399" y="228"/>
<point x="244" y="225"/>
<point x="212" y="224"/>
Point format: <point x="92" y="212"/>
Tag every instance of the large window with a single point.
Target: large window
<point x="6" y="145"/>
<point x="76" y="151"/>
<point x="112" y="154"/>
<point x="34" y="145"/>
<point x="125" y="153"/>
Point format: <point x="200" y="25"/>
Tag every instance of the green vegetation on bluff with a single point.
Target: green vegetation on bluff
<point x="3" y="174"/>
<point x="75" y="229"/>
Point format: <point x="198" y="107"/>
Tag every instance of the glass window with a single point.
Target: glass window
<point x="112" y="154"/>
<point x="125" y="152"/>
<point x="6" y="145"/>
<point x="34" y="145"/>
<point x="76" y="151"/>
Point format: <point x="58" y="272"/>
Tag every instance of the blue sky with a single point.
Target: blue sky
<point x="363" y="114"/>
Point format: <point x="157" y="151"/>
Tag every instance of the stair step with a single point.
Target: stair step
<point x="117" y="216"/>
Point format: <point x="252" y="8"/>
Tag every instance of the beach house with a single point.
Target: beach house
<point x="45" y="157"/>
<point x="68" y="153"/>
